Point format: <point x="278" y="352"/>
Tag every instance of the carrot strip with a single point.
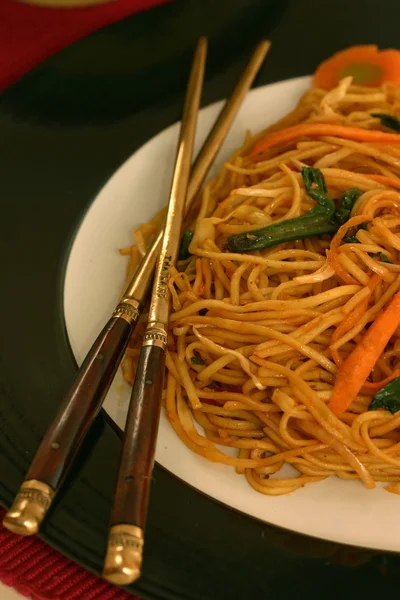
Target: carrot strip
<point x="351" y="319"/>
<point x="389" y="181"/>
<point x="322" y="129"/>
<point x="377" y="385"/>
<point x="366" y="64"/>
<point x="333" y="254"/>
<point x="359" y="364"/>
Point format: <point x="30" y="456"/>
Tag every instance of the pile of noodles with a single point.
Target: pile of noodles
<point x="252" y="351"/>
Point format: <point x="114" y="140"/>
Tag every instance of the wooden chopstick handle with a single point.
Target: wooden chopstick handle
<point x="134" y="475"/>
<point x="139" y="441"/>
<point x="78" y="409"/>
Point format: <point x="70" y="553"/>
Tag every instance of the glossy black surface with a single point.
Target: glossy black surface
<point x="64" y="129"/>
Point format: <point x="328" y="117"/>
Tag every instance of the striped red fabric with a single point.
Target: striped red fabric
<point x="41" y="573"/>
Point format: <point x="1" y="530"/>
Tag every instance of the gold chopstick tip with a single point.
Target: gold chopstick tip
<point x="123" y="561"/>
<point x="264" y="46"/>
<point x="29" y="508"/>
<point x="202" y="42"/>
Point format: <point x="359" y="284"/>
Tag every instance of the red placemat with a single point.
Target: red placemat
<point x="29" y="35"/>
<point x="39" y="572"/>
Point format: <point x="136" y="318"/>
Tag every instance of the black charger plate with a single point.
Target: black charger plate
<point x="64" y="129"/>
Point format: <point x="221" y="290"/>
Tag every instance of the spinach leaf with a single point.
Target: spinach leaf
<point x="197" y="361"/>
<point x="384" y="258"/>
<point x="389" y="121"/>
<point x="315" y="185"/>
<point x="317" y="221"/>
<point x="185" y="243"/>
<point x="347" y="201"/>
<point x="322" y="219"/>
<point x="351" y="239"/>
<point x="388" y="397"/>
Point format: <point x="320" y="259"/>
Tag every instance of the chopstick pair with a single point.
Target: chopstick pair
<point x="83" y="401"/>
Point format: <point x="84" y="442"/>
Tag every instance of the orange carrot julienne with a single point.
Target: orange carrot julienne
<point x="359" y="364"/>
<point x="322" y="129"/>
<point x="377" y="385"/>
<point x="388" y="181"/>
<point x="366" y="64"/>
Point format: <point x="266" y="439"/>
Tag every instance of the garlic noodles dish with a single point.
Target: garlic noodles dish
<point x="284" y="337"/>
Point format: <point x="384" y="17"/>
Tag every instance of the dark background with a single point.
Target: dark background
<point x="64" y="129"/>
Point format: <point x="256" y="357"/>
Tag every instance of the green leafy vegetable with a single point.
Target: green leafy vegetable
<point x="384" y="258"/>
<point x="318" y="221"/>
<point x="389" y="121"/>
<point x="347" y="201"/>
<point x="315" y="185"/>
<point x="388" y="397"/>
<point x="197" y="361"/>
<point x="351" y="239"/>
<point x="185" y="243"/>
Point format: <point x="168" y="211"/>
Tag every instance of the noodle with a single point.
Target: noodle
<point x="256" y="338"/>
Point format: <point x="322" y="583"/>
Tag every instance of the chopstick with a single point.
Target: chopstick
<point x="125" y="542"/>
<point x="126" y="537"/>
<point x="83" y="401"/>
<point x="220" y="130"/>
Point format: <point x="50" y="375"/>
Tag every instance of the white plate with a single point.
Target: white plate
<point x="333" y="509"/>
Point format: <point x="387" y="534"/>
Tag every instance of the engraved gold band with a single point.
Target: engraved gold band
<point x="155" y="335"/>
<point x="29" y="508"/>
<point x="124" y="554"/>
<point x="127" y="309"/>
